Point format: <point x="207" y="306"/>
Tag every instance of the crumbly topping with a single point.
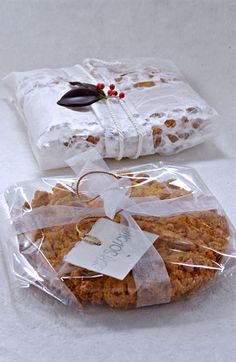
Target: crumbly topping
<point x="190" y="245"/>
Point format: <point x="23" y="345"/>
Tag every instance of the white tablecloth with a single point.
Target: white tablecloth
<point x="199" y="36"/>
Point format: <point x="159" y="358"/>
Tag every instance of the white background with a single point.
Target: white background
<point x="200" y="37"/>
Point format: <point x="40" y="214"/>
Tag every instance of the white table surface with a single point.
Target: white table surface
<point x="199" y="36"/>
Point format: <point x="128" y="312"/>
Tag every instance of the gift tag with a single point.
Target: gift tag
<point x="111" y="248"/>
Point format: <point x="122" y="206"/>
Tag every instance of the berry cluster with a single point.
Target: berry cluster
<point x="111" y="91"/>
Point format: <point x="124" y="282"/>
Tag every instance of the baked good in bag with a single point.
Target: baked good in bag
<point x="190" y="244"/>
<point x="160" y="113"/>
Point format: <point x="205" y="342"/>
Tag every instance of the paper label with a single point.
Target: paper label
<point x="121" y="247"/>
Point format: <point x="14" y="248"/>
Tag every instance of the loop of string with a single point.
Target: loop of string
<point x="87" y="237"/>
<point x="91" y="173"/>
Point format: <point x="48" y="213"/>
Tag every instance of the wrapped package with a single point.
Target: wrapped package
<point x="158" y="113"/>
<point x="129" y="238"/>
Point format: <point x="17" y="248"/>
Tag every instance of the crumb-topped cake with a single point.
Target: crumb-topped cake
<point x="191" y="245"/>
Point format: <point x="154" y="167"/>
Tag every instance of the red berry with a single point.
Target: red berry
<point x="109" y="92"/>
<point x="122" y="95"/>
<point x="112" y="86"/>
<point x="114" y="93"/>
<point x="98" y="86"/>
<point x="102" y="86"/>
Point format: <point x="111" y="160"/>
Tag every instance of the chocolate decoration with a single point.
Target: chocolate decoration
<point x="82" y="95"/>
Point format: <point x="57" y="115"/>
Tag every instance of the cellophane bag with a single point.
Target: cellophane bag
<point x="160" y="113"/>
<point x="135" y="237"/>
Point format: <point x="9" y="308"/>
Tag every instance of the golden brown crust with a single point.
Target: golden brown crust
<point x="190" y="245"/>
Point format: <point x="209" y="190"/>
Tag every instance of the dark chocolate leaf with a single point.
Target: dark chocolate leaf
<point x="79" y="101"/>
<point x="83" y="94"/>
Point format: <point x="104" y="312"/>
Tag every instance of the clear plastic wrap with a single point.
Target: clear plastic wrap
<point x="47" y="219"/>
<point x="160" y="113"/>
